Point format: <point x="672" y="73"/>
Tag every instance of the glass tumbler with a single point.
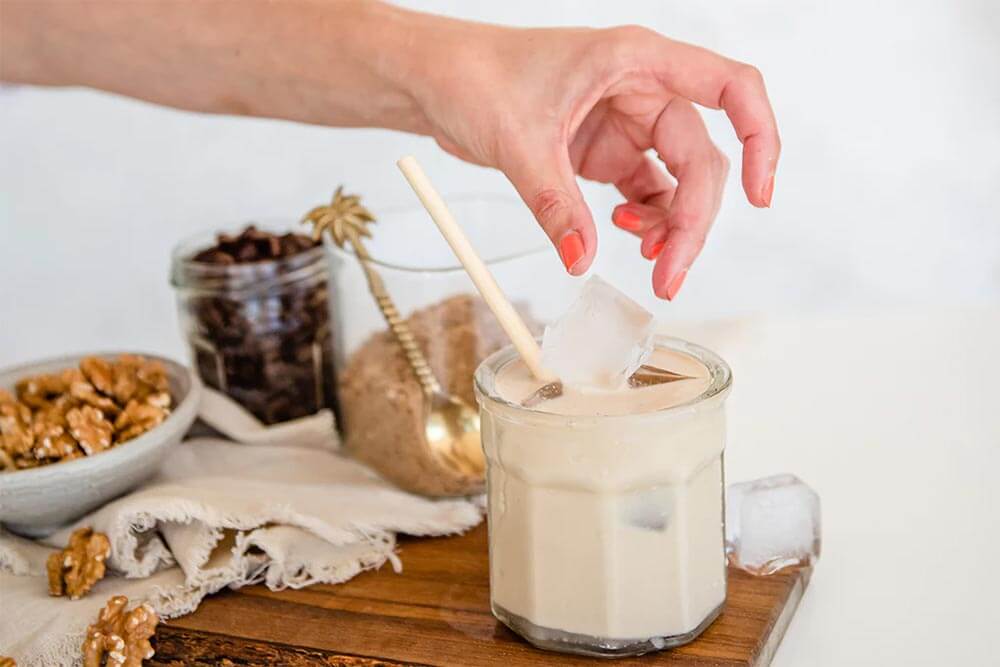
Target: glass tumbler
<point x="606" y="533"/>
<point x="383" y="409"/>
<point x="259" y="331"/>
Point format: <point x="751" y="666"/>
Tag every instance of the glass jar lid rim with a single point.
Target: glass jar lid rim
<point x="451" y="265"/>
<point x="455" y="267"/>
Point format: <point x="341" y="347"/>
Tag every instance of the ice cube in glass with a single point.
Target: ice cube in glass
<point x="600" y="341"/>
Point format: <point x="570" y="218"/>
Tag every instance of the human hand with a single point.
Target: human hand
<point x="542" y="105"/>
<point x="545" y="105"/>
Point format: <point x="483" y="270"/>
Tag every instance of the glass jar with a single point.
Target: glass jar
<point x="259" y="331"/>
<point x="383" y="410"/>
<point x="606" y="533"/>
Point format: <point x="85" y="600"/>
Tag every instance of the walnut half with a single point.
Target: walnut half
<point x="137" y="418"/>
<point x="74" y="570"/>
<point x="120" y="638"/>
<point x="90" y="428"/>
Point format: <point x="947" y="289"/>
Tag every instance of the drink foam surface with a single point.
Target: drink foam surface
<point x="515" y="383"/>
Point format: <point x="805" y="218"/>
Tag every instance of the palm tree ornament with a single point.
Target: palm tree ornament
<point x="346" y="220"/>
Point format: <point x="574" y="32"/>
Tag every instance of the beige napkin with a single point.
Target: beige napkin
<point x="234" y="422"/>
<point x="219" y="514"/>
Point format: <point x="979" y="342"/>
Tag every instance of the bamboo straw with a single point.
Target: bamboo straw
<point x="484" y="281"/>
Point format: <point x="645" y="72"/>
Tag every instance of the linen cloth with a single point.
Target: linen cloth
<point x="219" y="514"/>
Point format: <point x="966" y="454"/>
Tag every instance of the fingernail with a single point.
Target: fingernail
<point x="571" y="250"/>
<point x="654" y="250"/>
<point x="768" y="191"/>
<point x="675" y="285"/>
<point x="626" y="219"/>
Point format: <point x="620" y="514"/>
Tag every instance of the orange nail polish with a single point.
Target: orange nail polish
<point x="571" y="249"/>
<point x="654" y="251"/>
<point x="675" y="285"/>
<point x="627" y="220"/>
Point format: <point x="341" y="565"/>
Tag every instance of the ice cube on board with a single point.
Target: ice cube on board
<point x="600" y="341"/>
<point x="772" y="523"/>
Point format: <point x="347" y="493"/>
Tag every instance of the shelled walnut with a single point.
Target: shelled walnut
<point x="16" y="435"/>
<point x="120" y="638"/>
<point x="90" y="428"/>
<point x="137" y="418"/>
<point x="81" y="411"/>
<point x="74" y="570"/>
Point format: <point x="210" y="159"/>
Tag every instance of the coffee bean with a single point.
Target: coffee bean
<point x="214" y="256"/>
<point x="269" y="349"/>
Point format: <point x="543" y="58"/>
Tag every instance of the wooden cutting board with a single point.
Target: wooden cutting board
<point x="436" y="612"/>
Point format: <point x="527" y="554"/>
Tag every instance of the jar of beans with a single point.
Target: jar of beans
<point x="254" y="309"/>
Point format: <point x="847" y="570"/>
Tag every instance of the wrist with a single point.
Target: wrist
<point x="382" y="46"/>
<point x="434" y="63"/>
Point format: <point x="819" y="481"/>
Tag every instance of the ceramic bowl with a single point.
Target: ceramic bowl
<point x="37" y="501"/>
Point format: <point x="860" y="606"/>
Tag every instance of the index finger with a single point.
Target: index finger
<point x="716" y="82"/>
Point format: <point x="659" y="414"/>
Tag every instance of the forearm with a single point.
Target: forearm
<point x="330" y="62"/>
<point x="541" y="105"/>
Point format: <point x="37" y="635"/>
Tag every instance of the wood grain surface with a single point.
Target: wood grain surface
<point x="436" y="612"/>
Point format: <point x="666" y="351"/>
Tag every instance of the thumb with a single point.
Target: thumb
<point x="548" y="186"/>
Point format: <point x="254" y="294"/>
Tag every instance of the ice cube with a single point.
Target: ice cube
<point x="600" y="341"/>
<point x="649" y="509"/>
<point x="772" y="523"/>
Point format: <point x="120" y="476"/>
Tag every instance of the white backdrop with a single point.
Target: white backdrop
<point x="887" y="193"/>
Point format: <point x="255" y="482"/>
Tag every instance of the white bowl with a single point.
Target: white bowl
<point x="37" y="501"/>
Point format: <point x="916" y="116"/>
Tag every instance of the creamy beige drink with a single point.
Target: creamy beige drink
<point x="514" y="383"/>
<point x="605" y="508"/>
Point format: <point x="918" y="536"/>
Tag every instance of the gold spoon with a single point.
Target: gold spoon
<point x="451" y="426"/>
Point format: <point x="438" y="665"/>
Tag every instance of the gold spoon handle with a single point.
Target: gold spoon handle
<point x="400" y="329"/>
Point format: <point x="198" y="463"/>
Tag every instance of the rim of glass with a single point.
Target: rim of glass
<point x="456" y="267"/>
<point x="721" y="375"/>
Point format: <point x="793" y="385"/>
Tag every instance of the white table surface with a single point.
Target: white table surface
<point x="895" y="420"/>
